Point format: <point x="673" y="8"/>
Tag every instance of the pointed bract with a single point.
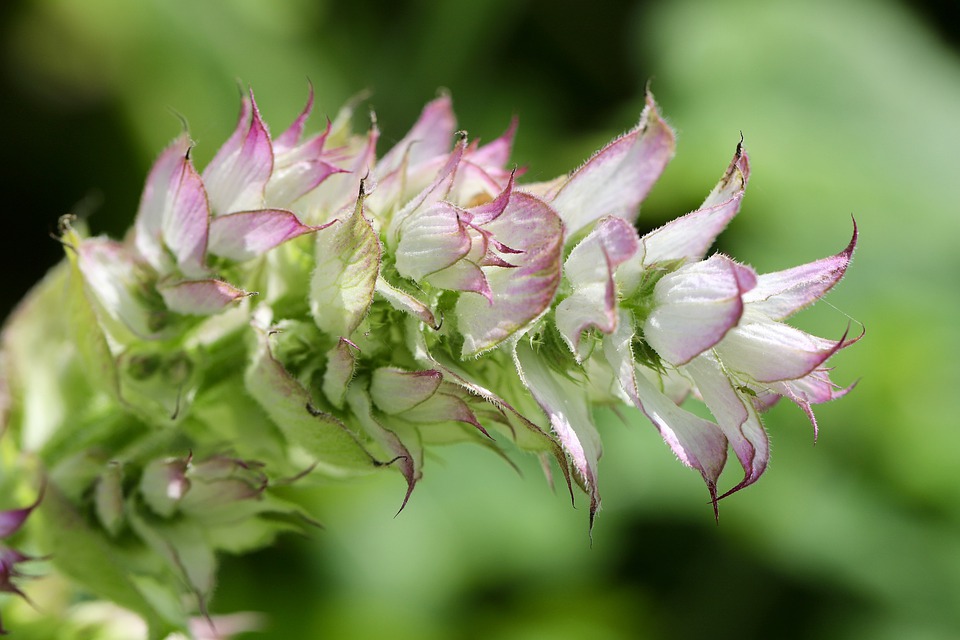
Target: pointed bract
<point x="616" y="179"/>
<point x="781" y="294"/>
<point x="238" y="174"/>
<point x="247" y="234"/>
<point x="200" y="297"/>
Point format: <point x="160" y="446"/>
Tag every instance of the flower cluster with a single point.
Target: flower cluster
<point x="303" y="308"/>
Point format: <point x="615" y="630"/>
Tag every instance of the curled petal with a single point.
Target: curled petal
<point x="292" y="180"/>
<point x="783" y="293"/>
<point x="813" y="388"/>
<point x="529" y="435"/>
<point x="483" y="172"/>
<point x="696" y="306"/>
<point x="464" y="275"/>
<point x="734" y="179"/>
<point x="443" y="407"/>
<point x="355" y="159"/>
<point x="521" y="294"/>
<point x="616" y="179"/>
<point x="430" y="240"/>
<point x="687" y="238"/>
<point x="497" y="152"/>
<point x="431" y="194"/>
<point x="247" y="234"/>
<point x="489" y="211"/>
<point x="238" y="174"/>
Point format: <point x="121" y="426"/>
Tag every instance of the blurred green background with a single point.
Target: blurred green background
<point x="848" y="107"/>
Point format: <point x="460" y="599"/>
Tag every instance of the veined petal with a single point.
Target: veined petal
<point x="299" y="168"/>
<point x="617" y="179"/>
<point x="521" y="294"/>
<point x="186" y="225"/>
<point x="698" y="443"/>
<point x="815" y="388"/>
<point x="395" y="391"/>
<point x="431" y="239"/>
<point x="431" y="136"/>
<point x="244" y="235"/>
<point x="770" y="351"/>
<point x="155" y="203"/>
<point x="174" y="213"/>
<point x="688" y="237"/>
<point x="237" y="175"/>
<point x="590" y="269"/>
<point x="736" y="415"/>
<point x="487" y="212"/>
<point x="783" y="293"/>
<point x="200" y="297"/>
<point x="567" y="408"/>
<point x="347" y="268"/>
<point x="696" y="306"/>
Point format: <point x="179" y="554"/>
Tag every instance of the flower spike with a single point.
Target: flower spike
<point x="310" y="307"/>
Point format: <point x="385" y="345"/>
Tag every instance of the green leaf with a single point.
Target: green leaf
<point x="293" y="410"/>
<point x="86" y="557"/>
<point x="348" y="263"/>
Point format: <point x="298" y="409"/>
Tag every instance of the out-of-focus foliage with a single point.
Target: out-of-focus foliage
<point x="846" y="108"/>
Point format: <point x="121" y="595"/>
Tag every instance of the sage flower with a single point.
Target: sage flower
<point x="303" y="308"/>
